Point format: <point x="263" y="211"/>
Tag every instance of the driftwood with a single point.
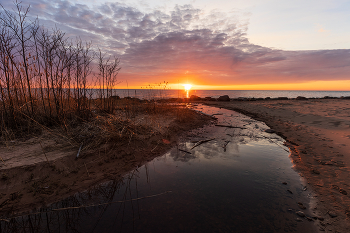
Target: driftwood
<point x="201" y="142"/>
<point x="185" y="151"/>
<point x="230" y="126"/>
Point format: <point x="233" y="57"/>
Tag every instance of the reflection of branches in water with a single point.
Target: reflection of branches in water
<point x="67" y="220"/>
<point x="68" y="214"/>
<point x="181" y="154"/>
<point x="183" y="157"/>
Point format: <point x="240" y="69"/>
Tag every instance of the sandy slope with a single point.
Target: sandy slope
<point x="318" y="133"/>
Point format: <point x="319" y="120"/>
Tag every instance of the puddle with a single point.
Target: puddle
<point x="231" y="182"/>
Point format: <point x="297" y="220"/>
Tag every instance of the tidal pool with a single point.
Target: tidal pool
<point x="239" y="179"/>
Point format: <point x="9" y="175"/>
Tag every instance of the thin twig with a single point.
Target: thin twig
<point x="86" y="170"/>
<point x="107" y="203"/>
<point x="43" y="151"/>
<point x="230" y="126"/>
<point x="185" y="151"/>
<point x="226" y="142"/>
<point x="80" y="149"/>
<point x="201" y="142"/>
<point x="87" y="206"/>
<point x="154" y="147"/>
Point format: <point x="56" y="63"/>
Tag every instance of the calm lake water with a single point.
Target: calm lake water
<point x="231" y="183"/>
<point x="154" y="93"/>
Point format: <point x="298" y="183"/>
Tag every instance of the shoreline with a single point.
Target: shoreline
<point x="317" y="133"/>
<point x="42" y="170"/>
<point x="318" y="156"/>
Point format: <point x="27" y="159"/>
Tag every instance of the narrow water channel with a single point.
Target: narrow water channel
<point x="228" y="177"/>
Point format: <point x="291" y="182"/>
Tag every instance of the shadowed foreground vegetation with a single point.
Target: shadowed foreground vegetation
<point x="45" y="81"/>
<point x="57" y="135"/>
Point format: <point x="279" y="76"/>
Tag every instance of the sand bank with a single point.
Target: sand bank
<point x="318" y="134"/>
<point x="44" y="169"/>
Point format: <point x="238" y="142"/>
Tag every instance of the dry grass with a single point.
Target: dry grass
<point x="44" y="86"/>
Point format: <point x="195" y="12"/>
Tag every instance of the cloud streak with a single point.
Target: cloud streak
<point x="187" y="43"/>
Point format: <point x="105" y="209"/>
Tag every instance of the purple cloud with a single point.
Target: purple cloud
<point x="186" y="39"/>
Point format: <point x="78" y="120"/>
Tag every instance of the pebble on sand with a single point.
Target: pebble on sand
<point x="301" y="206"/>
<point x="332" y="214"/>
<point x="315" y="171"/>
<point x="342" y="191"/>
<point x="300" y="213"/>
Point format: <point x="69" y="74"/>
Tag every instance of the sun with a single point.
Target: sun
<point x="187" y="87"/>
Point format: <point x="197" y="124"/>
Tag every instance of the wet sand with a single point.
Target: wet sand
<point x="317" y="132"/>
<point x="44" y="169"/>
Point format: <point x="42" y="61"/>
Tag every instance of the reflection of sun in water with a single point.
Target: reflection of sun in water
<point x="187" y="87"/>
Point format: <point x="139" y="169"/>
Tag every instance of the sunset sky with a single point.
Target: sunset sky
<point x="213" y="44"/>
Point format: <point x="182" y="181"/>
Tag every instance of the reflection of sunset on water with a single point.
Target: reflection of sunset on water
<point x="187" y="89"/>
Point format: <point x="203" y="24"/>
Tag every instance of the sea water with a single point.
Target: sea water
<point x="167" y="93"/>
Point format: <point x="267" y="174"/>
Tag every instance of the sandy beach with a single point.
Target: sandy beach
<point x="317" y="131"/>
<point x="43" y="169"/>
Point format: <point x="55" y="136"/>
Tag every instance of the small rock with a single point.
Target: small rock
<point x="332" y="214"/>
<point x="335" y="186"/>
<point x="298" y="219"/>
<point x="269" y="130"/>
<point x="328" y="163"/>
<point x="309" y="219"/>
<point x="194" y="97"/>
<point x="342" y="191"/>
<point x="224" y="98"/>
<point x="301" y="98"/>
<point x="289" y="191"/>
<point x="285" y="183"/>
<point x="301" y="206"/>
<point x="315" y="171"/>
<point x="300" y="213"/>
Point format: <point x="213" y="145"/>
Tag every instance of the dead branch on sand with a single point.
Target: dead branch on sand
<point x="201" y="142"/>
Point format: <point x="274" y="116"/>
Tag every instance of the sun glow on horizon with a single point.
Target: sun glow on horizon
<point x="187" y="86"/>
